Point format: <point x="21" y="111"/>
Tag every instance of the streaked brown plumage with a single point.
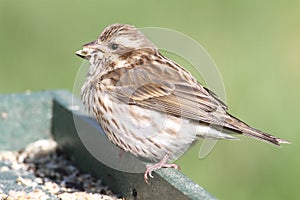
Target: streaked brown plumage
<point x="147" y="104"/>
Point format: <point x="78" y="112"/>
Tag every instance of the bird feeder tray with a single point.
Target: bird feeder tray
<point x="25" y="118"/>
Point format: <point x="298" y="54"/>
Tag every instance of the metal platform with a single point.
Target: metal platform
<point x="29" y="117"/>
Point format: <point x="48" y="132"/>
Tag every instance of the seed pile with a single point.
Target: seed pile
<point x="41" y="171"/>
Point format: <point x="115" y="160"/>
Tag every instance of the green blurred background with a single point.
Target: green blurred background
<point x="255" y="44"/>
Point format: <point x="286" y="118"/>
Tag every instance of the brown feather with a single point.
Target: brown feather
<point x="142" y="86"/>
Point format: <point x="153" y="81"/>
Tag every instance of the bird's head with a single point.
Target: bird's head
<point x="116" y="40"/>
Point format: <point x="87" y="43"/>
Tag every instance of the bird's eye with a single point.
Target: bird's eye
<point x="114" y="46"/>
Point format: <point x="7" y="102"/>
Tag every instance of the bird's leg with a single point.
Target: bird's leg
<point x="161" y="164"/>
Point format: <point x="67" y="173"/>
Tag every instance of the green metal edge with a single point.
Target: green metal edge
<point x="32" y="116"/>
<point x="167" y="184"/>
<point x="24" y="118"/>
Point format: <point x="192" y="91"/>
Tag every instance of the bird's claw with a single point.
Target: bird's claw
<point x="151" y="168"/>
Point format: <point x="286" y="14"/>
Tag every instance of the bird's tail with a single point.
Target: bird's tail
<point x="244" y="129"/>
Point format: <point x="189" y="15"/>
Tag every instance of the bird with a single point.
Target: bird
<point x="149" y="105"/>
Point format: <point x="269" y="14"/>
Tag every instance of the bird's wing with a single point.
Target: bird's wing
<point x="146" y="86"/>
<point x="172" y="90"/>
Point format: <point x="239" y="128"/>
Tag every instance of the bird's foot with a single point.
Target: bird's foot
<point x="161" y="164"/>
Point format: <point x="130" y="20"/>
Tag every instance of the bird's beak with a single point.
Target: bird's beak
<point x="81" y="53"/>
<point x="86" y="51"/>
